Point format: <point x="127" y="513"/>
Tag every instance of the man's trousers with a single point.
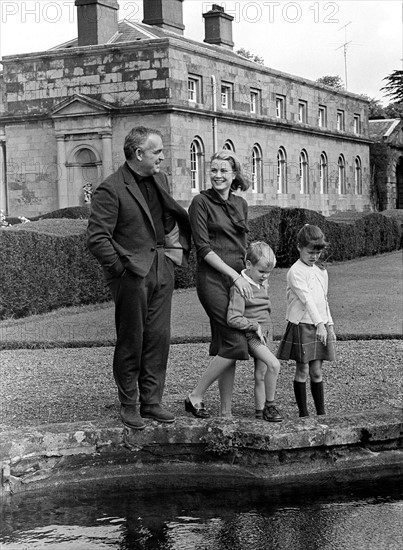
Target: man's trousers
<point x="143" y="331"/>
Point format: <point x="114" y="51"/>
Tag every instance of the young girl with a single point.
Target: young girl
<point x="252" y="315"/>
<point x="309" y="338"/>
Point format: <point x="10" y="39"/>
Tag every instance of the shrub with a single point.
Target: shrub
<point x="291" y="221"/>
<point x="72" y="212"/>
<point x="45" y="266"/>
<point x="264" y="225"/>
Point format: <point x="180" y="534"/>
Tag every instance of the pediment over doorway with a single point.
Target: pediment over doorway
<point x="80" y="105"/>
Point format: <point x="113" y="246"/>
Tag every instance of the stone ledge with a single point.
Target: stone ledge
<point x="60" y="453"/>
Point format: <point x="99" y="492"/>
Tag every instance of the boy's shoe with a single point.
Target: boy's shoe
<point x="271" y="414"/>
<point x="259" y="414"/>
<point x="131" y="417"/>
<point x="156" y="412"/>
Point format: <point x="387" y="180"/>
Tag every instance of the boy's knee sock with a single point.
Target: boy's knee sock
<point x="300" y="396"/>
<point x="318" y="396"/>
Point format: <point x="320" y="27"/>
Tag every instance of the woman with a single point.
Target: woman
<point x="219" y="226"/>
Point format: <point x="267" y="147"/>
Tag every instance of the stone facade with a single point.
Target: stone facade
<point x="65" y="113"/>
<point x="390" y="132"/>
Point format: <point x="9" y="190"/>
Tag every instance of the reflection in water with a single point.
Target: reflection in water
<point x="362" y="517"/>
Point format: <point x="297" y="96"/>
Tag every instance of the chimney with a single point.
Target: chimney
<point x="167" y="14"/>
<point x="218" y="27"/>
<point x="97" y="21"/>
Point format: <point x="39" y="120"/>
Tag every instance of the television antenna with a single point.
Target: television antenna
<point x="344" y="46"/>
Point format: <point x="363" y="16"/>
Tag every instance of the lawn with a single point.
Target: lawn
<point x="365" y="297"/>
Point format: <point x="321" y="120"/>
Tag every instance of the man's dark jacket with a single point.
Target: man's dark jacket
<point x="121" y="233"/>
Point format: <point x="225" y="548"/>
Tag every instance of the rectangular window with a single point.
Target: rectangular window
<point x="303" y="112"/>
<point x="255" y="101"/>
<point x="194" y="89"/>
<point x="322" y="117"/>
<point x="280" y="106"/>
<point x="357" y="124"/>
<point x="226" y="95"/>
<point x="340" y="121"/>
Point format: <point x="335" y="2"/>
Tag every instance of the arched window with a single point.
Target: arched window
<point x="281" y="171"/>
<point x="323" y="174"/>
<point x="229" y="146"/>
<point x="196" y="165"/>
<point x="257" y="169"/>
<point x="341" y="165"/>
<point x="358" y="176"/>
<point x="304" y="172"/>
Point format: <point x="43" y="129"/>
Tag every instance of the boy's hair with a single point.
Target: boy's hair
<point x="311" y="235"/>
<point x="258" y="250"/>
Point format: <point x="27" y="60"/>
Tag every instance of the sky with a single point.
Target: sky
<point x="358" y="40"/>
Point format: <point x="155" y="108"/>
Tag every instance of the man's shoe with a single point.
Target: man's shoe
<point x="271" y="414"/>
<point x="131" y="417"/>
<point x="156" y="412"/>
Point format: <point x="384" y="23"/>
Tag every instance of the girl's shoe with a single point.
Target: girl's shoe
<point x="198" y="409"/>
<point x="259" y="414"/>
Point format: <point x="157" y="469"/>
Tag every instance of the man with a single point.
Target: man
<point x="137" y="231"/>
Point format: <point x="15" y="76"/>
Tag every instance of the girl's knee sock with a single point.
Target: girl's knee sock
<point x="318" y="396"/>
<point x="300" y="396"/>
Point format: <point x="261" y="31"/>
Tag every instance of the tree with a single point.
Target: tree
<point x="394" y="87"/>
<point x="251" y="56"/>
<point x="331" y="81"/>
<point x="376" y="110"/>
<point x="394" y="110"/>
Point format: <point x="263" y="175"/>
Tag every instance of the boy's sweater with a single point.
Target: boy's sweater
<point x="246" y="314"/>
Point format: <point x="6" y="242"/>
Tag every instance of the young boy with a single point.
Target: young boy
<point x="253" y="316"/>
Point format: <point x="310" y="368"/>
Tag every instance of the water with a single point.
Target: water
<point x="349" y="517"/>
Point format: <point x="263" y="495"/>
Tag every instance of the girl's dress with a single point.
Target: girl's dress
<point x="219" y="226"/>
<point x="307" y="306"/>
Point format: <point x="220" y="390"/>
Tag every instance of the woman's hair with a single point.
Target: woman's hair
<point x="311" y="235"/>
<point x="258" y="250"/>
<point x="136" y="138"/>
<point x="240" y="181"/>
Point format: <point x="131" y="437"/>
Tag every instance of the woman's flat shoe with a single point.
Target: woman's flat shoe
<point x="198" y="410"/>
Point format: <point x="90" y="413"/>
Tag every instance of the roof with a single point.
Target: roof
<point x="380" y="129"/>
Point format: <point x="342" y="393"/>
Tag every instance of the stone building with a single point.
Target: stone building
<point x="390" y="132"/>
<point x="64" y="114"/>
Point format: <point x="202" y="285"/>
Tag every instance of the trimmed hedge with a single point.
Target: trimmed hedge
<point x="46" y="265"/>
<point x="369" y="235"/>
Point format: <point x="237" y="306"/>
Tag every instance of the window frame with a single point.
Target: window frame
<point x="280" y="106"/>
<point x="302" y="111"/>
<point x="255" y="105"/>
<point x="358" y="175"/>
<point x="357" y="124"/>
<point x="227" y="90"/>
<point x="196" y="80"/>
<point x="282" y="171"/>
<point x="322" y="116"/>
<point x="196" y="150"/>
<point x="323" y="174"/>
<point x="257" y="169"/>
<point x="340" y="120"/>
<point x="341" y="175"/>
<point x="304" y="172"/>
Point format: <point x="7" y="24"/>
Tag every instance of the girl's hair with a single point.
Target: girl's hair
<point x="240" y="181"/>
<point x="311" y="235"/>
<point x="258" y="250"/>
